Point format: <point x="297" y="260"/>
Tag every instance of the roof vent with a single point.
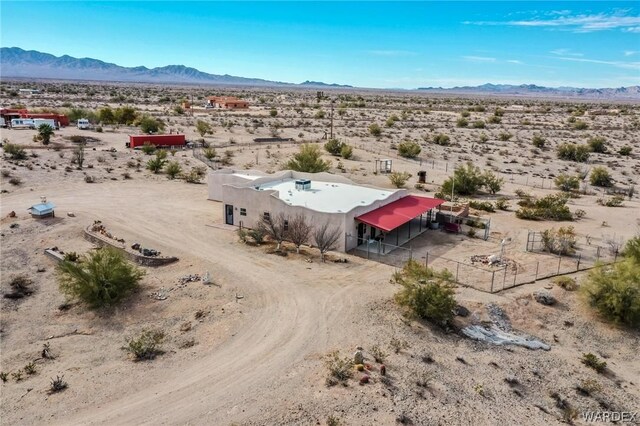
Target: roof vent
<point x="303" y="184"/>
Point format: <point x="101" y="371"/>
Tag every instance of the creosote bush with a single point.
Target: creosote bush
<point x="340" y="369"/>
<point x="425" y="293"/>
<point x="146" y="345"/>
<point x="308" y="159"/>
<point x="592" y="361"/>
<point x="399" y="179"/>
<point x="551" y="207"/>
<point x="409" y="149"/>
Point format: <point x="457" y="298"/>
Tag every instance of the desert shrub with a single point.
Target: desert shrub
<point x="340" y="369"/>
<point x="15" y="181"/>
<point x="308" y="159"/>
<point x="567" y="183"/>
<point x="468" y="180"/>
<point x="14" y="151"/>
<point x="551" y="207"/>
<point x="4" y="376"/>
<point x="580" y="125"/>
<point x="494" y="119"/>
<point x="559" y="241"/>
<point x="573" y="152"/>
<point x="478" y="124"/>
<point x="592" y="361"/>
<point x="614" y="291"/>
<point x="426" y="293"/>
<point x="148" y="148"/>
<point x="101" y="278"/>
<point x="505" y="136"/>
<point x="58" y="384"/>
<point x="600" y="176"/>
<point x="209" y="153"/>
<point x="195" y="175"/>
<point x="149" y="125"/>
<point x="99" y="129"/>
<point x="333" y="146"/>
<point x="597" y="144"/>
<point x="375" y="130"/>
<point x="398" y="345"/>
<point x="409" y="149"/>
<point x="462" y="122"/>
<point x="273" y="112"/>
<point x="502" y="203"/>
<point x="491" y="181"/>
<point x="258" y="234"/>
<point x="538" y="141"/>
<point x="379" y="355"/>
<point x="45" y="132"/>
<point x="625" y="150"/>
<point x="399" y="179"/>
<point x="30" y="368"/>
<point x="615" y="201"/>
<point x="157" y="163"/>
<point x="346" y="151"/>
<point x="566" y="283"/>
<point x="441" y="139"/>
<point x="146" y="345"/>
<point x="203" y="128"/>
<point x="172" y="169"/>
<point x="482" y="205"/>
<point x="71" y="256"/>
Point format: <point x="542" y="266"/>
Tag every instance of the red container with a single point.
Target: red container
<point x="136" y="141"/>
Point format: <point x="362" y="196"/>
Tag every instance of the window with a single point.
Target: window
<point x="266" y="216"/>
<point x="286" y="225"/>
<point x="243" y="212"/>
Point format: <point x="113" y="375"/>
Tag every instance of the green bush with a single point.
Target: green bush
<point x="441" y="139"/>
<point x="462" y="122"/>
<point x="614" y="290"/>
<point x="505" y="136"/>
<point x="308" y="159"/>
<point x="340" y="369"/>
<point x="615" y="201"/>
<point x="573" y="152"/>
<point x="15" y="151"/>
<point x="478" y="124"/>
<point x="409" y="149"/>
<point x="580" y="125"/>
<point x="600" y="176"/>
<point x="625" y="150"/>
<point x="567" y="283"/>
<point x="482" y="205"/>
<point x="150" y="125"/>
<point x="146" y="345"/>
<point x="333" y="146"/>
<point x="559" y="241"/>
<point x="538" y="141"/>
<point x="592" y="361"/>
<point x="551" y="207"/>
<point x="426" y="294"/>
<point x="468" y="180"/>
<point x="567" y="183"/>
<point x="597" y="144"/>
<point x="346" y="151"/>
<point x="375" y="130"/>
<point x="399" y="179"/>
<point x="101" y="278"/>
<point x="502" y="203"/>
<point x="148" y="148"/>
<point x="173" y="169"/>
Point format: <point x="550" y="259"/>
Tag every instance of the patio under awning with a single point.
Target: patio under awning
<point x="399" y="212"/>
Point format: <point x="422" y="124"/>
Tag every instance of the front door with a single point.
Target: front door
<point x="361" y="230"/>
<point x="228" y="214"/>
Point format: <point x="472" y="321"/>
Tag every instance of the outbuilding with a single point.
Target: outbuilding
<point x="166" y="141"/>
<point x="42" y="209"/>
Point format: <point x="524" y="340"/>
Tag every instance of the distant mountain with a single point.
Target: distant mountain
<point x="631" y="92"/>
<point x="16" y="62"/>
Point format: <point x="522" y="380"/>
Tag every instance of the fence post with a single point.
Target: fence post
<point x="504" y="277"/>
<point x="537" y="267"/>
<point x="410" y="253"/>
<point x="426" y="260"/>
<point x="457" y="269"/>
<point x="493" y="275"/>
<point x="578" y="263"/>
<point x="559" y="260"/>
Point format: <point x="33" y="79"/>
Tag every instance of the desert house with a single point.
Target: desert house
<point x="226" y="102"/>
<point x="362" y="213"/>
<point x="10" y="114"/>
<point x="43" y="209"/>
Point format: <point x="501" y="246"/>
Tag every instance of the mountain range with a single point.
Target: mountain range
<point x="18" y="63"/>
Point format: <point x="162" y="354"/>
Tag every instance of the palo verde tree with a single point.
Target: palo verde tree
<point x="45" y="132"/>
<point x="151" y="125"/>
<point x="468" y="180"/>
<point x="102" y="278"/>
<point x="426" y="293"/>
<point x="308" y="159"/>
<point x="203" y="128"/>
<point x="614" y="290"/>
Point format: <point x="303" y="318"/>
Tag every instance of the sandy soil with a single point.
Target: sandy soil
<point x="260" y="359"/>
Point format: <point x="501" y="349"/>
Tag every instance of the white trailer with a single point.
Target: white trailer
<point x="83" y="124"/>
<point x="22" y="123"/>
<point x="37" y="122"/>
<point x="2" y="122"/>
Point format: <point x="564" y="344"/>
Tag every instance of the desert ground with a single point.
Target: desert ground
<point x="250" y="348"/>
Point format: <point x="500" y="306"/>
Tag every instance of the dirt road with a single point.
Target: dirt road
<point x="293" y="313"/>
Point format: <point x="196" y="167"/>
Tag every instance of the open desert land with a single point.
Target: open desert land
<point x="252" y="346"/>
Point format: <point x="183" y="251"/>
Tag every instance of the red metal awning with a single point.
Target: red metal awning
<point x="399" y="212"/>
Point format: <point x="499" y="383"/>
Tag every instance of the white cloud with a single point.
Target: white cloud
<point x="514" y="61"/>
<point x="618" y="64"/>
<point x="479" y="59"/>
<point x="630" y="52"/>
<point x="576" y="23"/>
<point x="565" y="52"/>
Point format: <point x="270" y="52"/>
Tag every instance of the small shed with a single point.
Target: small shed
<point x="43" y="209"/>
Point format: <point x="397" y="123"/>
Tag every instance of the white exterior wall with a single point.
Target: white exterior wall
<point x="240" y="193"/>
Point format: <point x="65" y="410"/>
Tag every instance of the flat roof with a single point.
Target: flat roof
<point x="329" y="197"/>
<point x="247" y="176"/>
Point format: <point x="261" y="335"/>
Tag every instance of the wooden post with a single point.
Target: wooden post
<point x="457" y="269"/>
<point x="537" y="267"/>
<point x="578" y="263"/>
<point x="559" y="261"/>
<point x="426" y="260"/>
<point x="493" y="276"/>
<point x="504" y="278"/>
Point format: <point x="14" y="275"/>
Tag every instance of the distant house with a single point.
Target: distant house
<point x="43" y="209"/>
<point x="226" y="102"/>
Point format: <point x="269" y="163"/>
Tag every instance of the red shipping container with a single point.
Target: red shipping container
<point x="136" y="141"/>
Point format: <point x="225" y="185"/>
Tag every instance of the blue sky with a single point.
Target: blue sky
<point x="368" y="44"/>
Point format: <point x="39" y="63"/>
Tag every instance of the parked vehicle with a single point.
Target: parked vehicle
<point x="2" y="122"/>
<point x="37" y="122"/>
<point x="22" y="123"/>
<point x="83" y="124"/>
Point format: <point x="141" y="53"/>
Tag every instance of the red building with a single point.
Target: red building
<point x="9" y="114"/>
<point x="136" y="141"/>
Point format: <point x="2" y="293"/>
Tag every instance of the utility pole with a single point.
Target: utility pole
<point x="331" y="132"/>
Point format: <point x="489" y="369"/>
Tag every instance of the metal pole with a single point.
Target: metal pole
<point x="559" y="260"/>
<point x="578" y="263"/>
<point x="457" y="269"/>
<point x="514" y="277"/>
<point x="426" y="260"/>
<point x="493" y="275"/>
<point x="504" y="278"/>
<point x="537" y="266"/>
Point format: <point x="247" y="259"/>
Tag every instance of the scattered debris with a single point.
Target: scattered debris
<point x="493" y="260"/>
<point x="14" y="225"/>
<point x="71" y="214"/>
<point x="161" y="294"/>
<point x="499" y="317"/>
<point x="498" y="337"/>
<point x="11" y="214"/>
<point x="544" y="297"/>
<point x="99" y="228"/>
<point x="189" y="278"/>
